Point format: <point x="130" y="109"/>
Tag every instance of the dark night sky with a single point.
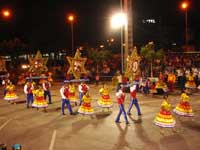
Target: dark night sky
<point x="42" y="23"/>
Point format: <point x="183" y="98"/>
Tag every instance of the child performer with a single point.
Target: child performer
<point x="82" y="88"/>
<point x="39" y="101"/>
<point x="72" y="94"/>
<point x="183" y="108"/>
<point x="86" y="108"/>
<point x="10" y="94"/>
<point x="105" y="100"/>
<point x="64" y="92"/>
<point x="133" y="100"/>
<point x="120" y="99"/>
<point x="28" y="90"/>
<point x="164" y="118"/>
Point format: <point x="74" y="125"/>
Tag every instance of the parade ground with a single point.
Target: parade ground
<point x="38" y="130"/>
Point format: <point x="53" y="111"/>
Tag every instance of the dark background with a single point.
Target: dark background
<point x="42" y="24"/>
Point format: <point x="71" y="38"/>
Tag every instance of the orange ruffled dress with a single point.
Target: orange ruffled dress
<point x="39" y="101"/>
<point x="86" y="107"/>
<point x="104" y="101"/>
<point x="183" y="108"/>
<point x="164" y="118"/>
<point x="10" y="94"/>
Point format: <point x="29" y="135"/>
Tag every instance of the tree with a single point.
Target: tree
<point x="98" y="56"/>
<point x="150" y="54"/>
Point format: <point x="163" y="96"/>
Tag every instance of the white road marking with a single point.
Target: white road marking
<point x="52" y="140"/>
<point x="3" y="125"/>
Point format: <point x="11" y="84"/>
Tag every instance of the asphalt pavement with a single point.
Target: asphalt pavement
<point x="37" y="130"/>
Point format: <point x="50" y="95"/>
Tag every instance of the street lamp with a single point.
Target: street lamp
<point x="119" y="20"/>
<point x="71" y="20"/>
<point x="184" y="6"/>
<point x="6" y="13"/>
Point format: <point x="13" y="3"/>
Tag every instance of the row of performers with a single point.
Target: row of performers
<point x="36" y="95"/>
<point x="163" y="119"/>
<point x="67" y="93"/>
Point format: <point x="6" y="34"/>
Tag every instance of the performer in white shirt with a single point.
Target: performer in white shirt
<point x="28" y="90"/>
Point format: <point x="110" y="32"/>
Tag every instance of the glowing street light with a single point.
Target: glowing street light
<point x="71" y="20"/>
<point x="6" y="13"/>
<point x="184" y="6"/>
<point x="120" y="20"/>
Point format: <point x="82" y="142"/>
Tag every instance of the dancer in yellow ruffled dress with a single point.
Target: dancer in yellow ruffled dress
<point x="86" y="107"/>
<point x="72" y="94"/>
<point x="164" y="118"/>
<point x="105" y="100"/>
<point x="39" y="101"/>
<point x="183" y="108"/>
<point x="10" y="94"/>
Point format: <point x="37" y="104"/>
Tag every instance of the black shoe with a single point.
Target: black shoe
<point x="50" y="103"/>
<point x="72" y="113"/>
<point x="117" y="121"/>
<point x="129" y="114"/>
<point x="63" y="113"/>
<point x="127" y="123"/>
<point x="139" y="114"/>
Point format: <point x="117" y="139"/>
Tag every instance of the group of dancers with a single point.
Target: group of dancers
<point x="36" y="97"/>
<point x="35" y="94"/>
<point x="165" y="118"/>
<point x="68" y="95"/>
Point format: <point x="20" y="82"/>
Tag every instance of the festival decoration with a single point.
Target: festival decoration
<point x="77" y="65"/>
<point x="2" y="65"/>
<point x="38" y="64"/>
<point x="133" y="65"/>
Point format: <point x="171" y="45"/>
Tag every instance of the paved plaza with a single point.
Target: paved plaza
<point x="37" y="130"/>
